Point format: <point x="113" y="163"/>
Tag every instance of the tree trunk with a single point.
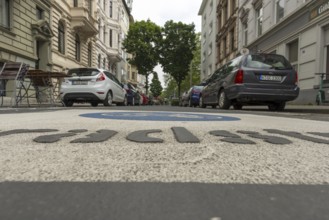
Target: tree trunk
<point x="179" y="96"/>
<point x="147" y="83"/>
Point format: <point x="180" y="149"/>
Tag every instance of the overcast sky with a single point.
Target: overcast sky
<point x="160" y="11"/>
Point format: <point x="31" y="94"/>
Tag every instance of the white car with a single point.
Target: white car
<point x="92" y="85"/>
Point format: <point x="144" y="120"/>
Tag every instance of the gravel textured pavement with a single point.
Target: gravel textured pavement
<point x="212" y="160"/>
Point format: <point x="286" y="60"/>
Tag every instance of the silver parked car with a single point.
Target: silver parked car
<point x="92" y="85"/>
<point x="252" y="79"/>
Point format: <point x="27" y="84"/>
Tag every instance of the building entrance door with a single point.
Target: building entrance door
<point x="42" y="54"/>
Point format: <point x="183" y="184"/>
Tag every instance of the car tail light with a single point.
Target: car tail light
<point x="101" y="77"/>
<point x="239" y="77"/>
<point x="296" y="78"/>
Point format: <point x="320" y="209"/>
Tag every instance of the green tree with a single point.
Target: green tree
<point x="171" y="86"/>
<point x="156" y="87"/>
<point x="142" y="42"/>
<point x="176" y="50"/>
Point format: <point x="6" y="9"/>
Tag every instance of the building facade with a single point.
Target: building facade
<point x="297" y="29"/>
<point x="25" y="32"/>
<point x="207" y="12"/>
<point x="74" y="26"/>
<point x="113" y="24"/>
<point x="227" y="29"/>
<point x="60" y="34"/>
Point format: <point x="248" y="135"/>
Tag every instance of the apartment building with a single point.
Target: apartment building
<point x="297" y="29"/>
<point x="227" y="31"/>
<point x="113" y="25"/>
<point x="25" y="32"/>
<point x="208" y="15"/>
<point x="74" y="26"/>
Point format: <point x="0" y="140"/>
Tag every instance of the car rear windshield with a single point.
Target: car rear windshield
<point x="267" y="61"/>
<point x="83" y="72"/>
<point x="197" y="88"/>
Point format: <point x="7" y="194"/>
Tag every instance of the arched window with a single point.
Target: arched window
<point x="75" y="3"/>
<point x="99" y="60"/>
<point x="77" y="47"/>
<point x="90" y="56"/>
<point x="61" y="37"/>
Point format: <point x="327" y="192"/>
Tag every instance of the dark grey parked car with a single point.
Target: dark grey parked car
<point x="253" y="79"/>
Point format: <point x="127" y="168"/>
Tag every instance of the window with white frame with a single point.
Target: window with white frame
<point x="111" y="9"/>
<point x="232" y="40"/>
<point x="210" y="28"/>
<point x="232" y="2"/>
<point x="99" y="60"/>
<point x="293" y="54"/>
<point x="210" y="49"/>
<point x="104" y="34"/>
<point x="61" y="37"/>
<point x="211" y="6"/>
<point x="245" y="34"/>
<point x="279" y="10"/>
<point x="77" y="48"/>
<point x="39" y="13"/>
<point x="90" y="56"/>
<point x="111" y="38"/>
<point x="5" y="13"/>
<point x="225" y="12"/>
<point x="224" y="46"/>
<point x="259" y="21"/>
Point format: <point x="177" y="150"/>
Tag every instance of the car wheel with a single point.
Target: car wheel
<point x="68" y="103"/>
<point x="277" y="106"/>
<point x="201" y="105"/>
<point x="237" y="106"/>
<point x="94" y="104"/>
<point x="108" y="99"/>
<point x="223" y="101"/>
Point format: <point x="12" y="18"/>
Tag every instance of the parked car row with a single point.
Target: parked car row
<point x="251" y="79"/>
<point x="94" y="86"/>
<point x="191" y="97"/>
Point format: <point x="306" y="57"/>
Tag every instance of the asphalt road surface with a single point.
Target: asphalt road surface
<point x="163" y="163"/>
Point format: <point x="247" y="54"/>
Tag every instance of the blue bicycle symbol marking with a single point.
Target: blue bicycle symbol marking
<point x="159" y="116"/>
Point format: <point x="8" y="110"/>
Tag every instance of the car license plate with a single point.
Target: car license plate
<point x="270" y="78"/>
<point x="79" y="82"/>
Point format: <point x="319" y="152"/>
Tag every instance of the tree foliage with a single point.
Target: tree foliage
<point x="171" y="86"/>
<point x="142" y="42"/>
<point x="176" y="50"/>
<point x="156" y="87"/>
